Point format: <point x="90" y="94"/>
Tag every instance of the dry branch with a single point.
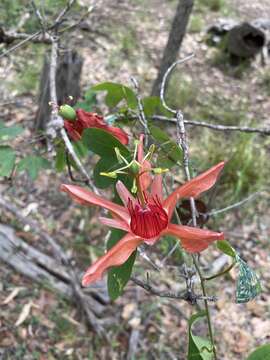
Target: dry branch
<point x="40" y="267"/>
<point x="216" y="127"/>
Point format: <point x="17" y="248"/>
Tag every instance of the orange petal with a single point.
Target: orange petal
<point x="140" y="149"/>
<point x="115" y="223"/>
<point x="194" y="187"/>
<point x="145" y="177"/>
<point x="156" y="188"/>
<point x="86" y="197"/>
<point x="193" y="239"/>
<point x="116" y="256"/>
<point x="123" y="193"/>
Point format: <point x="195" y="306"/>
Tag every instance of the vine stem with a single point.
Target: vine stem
<point x="183" y="144"/>
<point x="207" y="311"/>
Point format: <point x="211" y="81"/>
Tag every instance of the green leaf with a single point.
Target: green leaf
<point x="226" y="248"/>
<point x="261" y="353"/>
<point x="198" y="347"/>
<point x="248" y="285"/>
<point x="60" y="159"/>
<point x="105" y="164"/>
<point x="119" y="276"/>
<point x="152" y="105"/>
<point x="169" y="152"/>
<point x="10" y="132"/>
<point x="102" y="143"/>
<point x="32" y="165"/>
<point x="115" y="93"/>
<point x="7" y="160"/>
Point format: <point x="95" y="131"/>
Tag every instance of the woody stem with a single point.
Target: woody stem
<point x="182" y="142"/>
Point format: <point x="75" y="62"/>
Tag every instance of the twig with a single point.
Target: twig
<point x="164" y="80"/>
<point x="10" y="36"/>
<point x="147" y="258"/>
<point x="61" y="15"/>
<point x="185" y="295"/>
<point x="218" y="127"/>
<point x="56" y="122"/>
<point x="229" y="268"/>
<point x="183" y="143"/>
<point x="30" y="37"/>
<point x="75" y="24"/>
<point x="142" y="116"/>
<point x="233" y="206"/>
<point x="39" y="16"/>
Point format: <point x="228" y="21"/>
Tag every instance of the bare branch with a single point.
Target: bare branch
<point x="39" y="16"/>
<point x="235" y="205"/>
<point x="183" y="143"/>
<point x="184" y="295"/>
<point x="56" y="122"/>
<point x="164" y="80"/>
<point x="217" y="127"/>
<point x="142" y="116"/>
<point x="8" y="37"/>
<point x="21" y="43"/>
<point x="62" y="14"/>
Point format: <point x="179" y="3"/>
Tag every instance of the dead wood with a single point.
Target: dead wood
<point x="243" y="39"/>
<point x="44" y="270"/>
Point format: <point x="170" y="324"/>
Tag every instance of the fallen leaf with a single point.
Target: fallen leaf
<point x="12" y="295"/>
<point x="128" y="310"/>
<point x="25" y="313"/>
<point x="135" y="322"/>
<point x="71" y="320"/>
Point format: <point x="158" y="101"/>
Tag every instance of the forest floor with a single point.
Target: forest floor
<point x="206" y="88"/>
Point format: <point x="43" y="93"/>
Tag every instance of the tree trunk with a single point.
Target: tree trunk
<point x="177" y="32"/>
<point x="67" y="84"/>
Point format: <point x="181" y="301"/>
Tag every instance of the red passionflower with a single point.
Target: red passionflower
<point x="85" y="120"/>
<point x="146" y="219"/>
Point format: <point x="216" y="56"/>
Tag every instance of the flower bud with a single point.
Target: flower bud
<point x="67" y="112"/>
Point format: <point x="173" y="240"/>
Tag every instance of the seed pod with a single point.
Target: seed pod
<point x="67" y="112"/>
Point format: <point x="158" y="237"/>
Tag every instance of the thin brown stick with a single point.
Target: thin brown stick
<point x="183" y="143"/>
<point x="184" y="295"/>
<point x="216" y="127"/>
<point x="142" y="116"/>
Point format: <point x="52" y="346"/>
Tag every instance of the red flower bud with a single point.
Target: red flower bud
<point x="86" y="120"/>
